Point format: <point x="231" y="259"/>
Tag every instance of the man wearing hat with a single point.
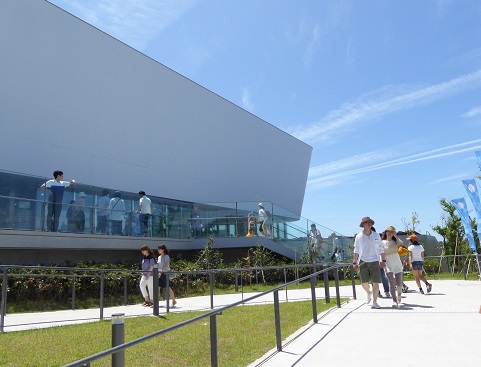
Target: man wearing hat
<point x="368" y="249"/>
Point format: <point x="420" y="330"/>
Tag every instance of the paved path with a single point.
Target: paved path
<point x="36" y="320"/>
<point x="439" y="329"/>
<point x="442" y="328"/>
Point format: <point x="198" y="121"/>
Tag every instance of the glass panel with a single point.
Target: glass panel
<point x="87" y="209"/>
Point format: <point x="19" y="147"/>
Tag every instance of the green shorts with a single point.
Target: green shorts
<point x="370" y="272"/>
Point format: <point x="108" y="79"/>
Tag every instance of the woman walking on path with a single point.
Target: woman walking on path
<point x="394" y="266"/>
<point x="416" y="262"/>
<point x="164" y="266"/>
<point x="147" y="282"/>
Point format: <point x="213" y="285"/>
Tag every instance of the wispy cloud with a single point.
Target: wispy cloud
<point x="131" y="21"/>
<point x="337" y="171"/>
<point x="311" y="47"/>
<point x="367" y="108"/>
<point x="246" y="100"/>
<point x="456" y="178"/>
<point x="471" y="57"/>
<point x="473" y="112"/>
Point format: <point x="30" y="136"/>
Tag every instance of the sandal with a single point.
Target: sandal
<point x="145" y="303"/>
<point x="174" y="303"/>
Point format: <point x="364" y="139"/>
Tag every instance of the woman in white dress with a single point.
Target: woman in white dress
<point x="394" y="266"/>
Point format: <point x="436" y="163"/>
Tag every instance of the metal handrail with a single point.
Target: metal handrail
<point x="102" y="274"/>
<point x="212" y="315"/>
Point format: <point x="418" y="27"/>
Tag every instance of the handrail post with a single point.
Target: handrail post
<point x="336" y="280"/>
<point x="73" y="292"/>
<point x="3" y="310"/>
<point x="42" y="214"/>
<point x="213" y="341"/>
<point x="236" y="276"/>
<point x="167" y="293"/>
<point x="92" y="219"/>
<point x="353" y="280"/>
<point x="277" y="316"/>
<point x="285" y="282"/>
<point x="125" y="290"/>
<point x="155" y="296"/>
<point x="118" y="337"/>
<point x="242" y="285"/>
<point x="326" y="287"/>
<point x="211" y="282"/>
<point x="102" y="291"/>
<point x="313" y="298"/>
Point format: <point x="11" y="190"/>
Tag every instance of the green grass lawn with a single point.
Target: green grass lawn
<point x="244" y="334"/>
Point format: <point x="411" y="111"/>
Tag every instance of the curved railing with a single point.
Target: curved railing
<point x="28" y="207"/>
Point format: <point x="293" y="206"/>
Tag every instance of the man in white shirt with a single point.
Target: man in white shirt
<point x="316" y="240"/>
<point x="145" y="210"/>
<point x="368" y="249"/>
<point x="56" y="187"/>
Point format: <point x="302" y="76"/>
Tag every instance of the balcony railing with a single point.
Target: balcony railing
<point x="25" y="206"/>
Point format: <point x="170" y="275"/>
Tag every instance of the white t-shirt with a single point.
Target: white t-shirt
<point x="117" y="209"/>
<point x="162" y="260"/>
<point x="416" y="251"/>
<point x="145" y="203"/>
<point x="103" y="206"/>
<point x="368" y="247"/>
<point x="315" y="236"/>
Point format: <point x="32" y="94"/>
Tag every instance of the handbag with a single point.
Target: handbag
<point x="402" y="250"/>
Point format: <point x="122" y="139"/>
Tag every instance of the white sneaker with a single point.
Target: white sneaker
<point x="395" y="304"/>
<point x="369" y="298"/>
<point x="398" y="298"/>
<point x="375" y="305"/>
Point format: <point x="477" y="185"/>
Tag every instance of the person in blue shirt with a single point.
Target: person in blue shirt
<point x="56" y="188"/>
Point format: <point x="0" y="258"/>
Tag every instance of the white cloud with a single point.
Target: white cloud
<point x="453" y="178"/>
<point x="131" y="21"/>
<point x="367" y="108"/>
<point x="473" y="112"/>
<point x="246" y="100"/>
<point x="311" y="47"/>
<point x="337" y="171"/>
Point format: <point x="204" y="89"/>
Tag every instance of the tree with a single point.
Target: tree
<point x="410" y="228"/>
<point x="209" y="258"/>
<point x="452" y="231"/>
<point x="262" y="257"/>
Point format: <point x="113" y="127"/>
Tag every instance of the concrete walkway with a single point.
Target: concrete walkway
<point x="442" y="328"/>
<point x="37" y="320"/>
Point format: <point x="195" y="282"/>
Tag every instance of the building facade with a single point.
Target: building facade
<point x="76" y="99"/>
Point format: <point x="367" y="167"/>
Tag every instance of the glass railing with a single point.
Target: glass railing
<point x="24" y="205"/>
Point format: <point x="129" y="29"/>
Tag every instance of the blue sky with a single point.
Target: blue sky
<point x="388" y="93"/>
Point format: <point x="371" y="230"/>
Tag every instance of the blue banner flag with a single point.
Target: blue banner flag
<point x="462" y="209"/>
<point x="472" y="190"/>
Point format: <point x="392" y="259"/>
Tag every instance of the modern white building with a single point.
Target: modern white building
<point x="76" y="99"/>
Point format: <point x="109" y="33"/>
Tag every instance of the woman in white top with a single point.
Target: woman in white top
<point x="265" y="220"/>
<point x="394" y="266"/>
<point x="416" y="262"/>
<point x="164" y="266"/>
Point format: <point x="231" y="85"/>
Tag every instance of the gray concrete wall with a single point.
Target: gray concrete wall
<point x="34" y="248"/>
<point x="76" y="99"/>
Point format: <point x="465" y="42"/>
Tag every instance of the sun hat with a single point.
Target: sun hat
<point x="412" y="237"/>
<point x="390" y="229"/>
<point x="364" y="220"/>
